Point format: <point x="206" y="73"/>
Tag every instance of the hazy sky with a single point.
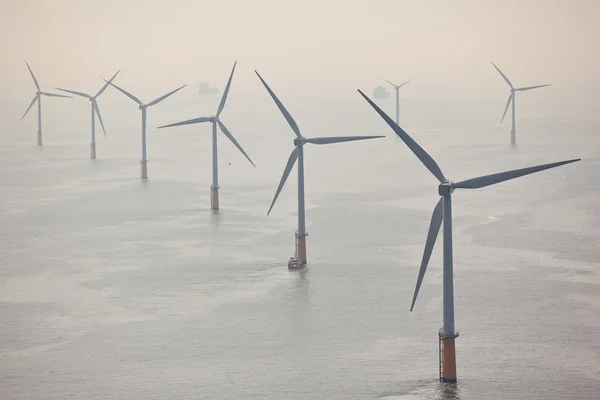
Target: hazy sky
<point x="309" y="44"/>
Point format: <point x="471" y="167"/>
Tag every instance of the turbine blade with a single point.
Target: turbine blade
<point x="99" y="116"/>
<point x="74" y="92"/>
<point x="510" y="98"/>
<point x="132" y="97"/>
<point x="487" y="180"/>
<point x="523" y="89"/>
<point x="55" y="95"/>
<point x="434" y="229"/>
<point x="164" y="96"/>
<point x="328" y="140"/>
<point x="286" y="173"/>
<point x="226" y="91"/>
<point x="285" y="112"/>
<point x="504" y="76"/>
<point x="235" y="143"/>
<point x="106" y="84"/>
<point x="421" y="154"/>
<point x="29" y="108"/>
<point x="37" y="85"/>
<point x="406" y="82"/>
<point x="391" y="83"/>
<point x="188" y="122"/>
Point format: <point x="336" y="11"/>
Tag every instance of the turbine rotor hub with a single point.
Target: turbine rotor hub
<point x="299" y="141"/>
<point x="446" y="188"/>
<point x="143" y="106"/>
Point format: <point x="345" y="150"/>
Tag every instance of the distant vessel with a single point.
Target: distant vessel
<point x="380" y="93"/>
<point x="205" y="88"/>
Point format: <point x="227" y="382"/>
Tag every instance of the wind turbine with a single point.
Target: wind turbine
<point x="298" y="154"/>
<point x="443" y="213"/>
<point x="95" y="110"/>
<point x="397" y="88"/>
<point x="143" y="107"/>
<point x="215" y="120"/>
<point x="511" y="99"/>
<point x="38" y="98"/>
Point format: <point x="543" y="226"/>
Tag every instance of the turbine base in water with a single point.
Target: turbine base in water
<point x="513" y="138"/>
<point x="144" y="169"/>
<point x="447" y="357"/>
<point x="301" y="247"/>
<point x="214" y="198"/>
<point x="39" y="139"/>
<point x="93" y="151"/>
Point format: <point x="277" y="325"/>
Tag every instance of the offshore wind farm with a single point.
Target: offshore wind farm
<point x="170" y="286"/>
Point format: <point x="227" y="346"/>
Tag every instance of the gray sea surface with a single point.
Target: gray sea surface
<point x="116" y="288"/>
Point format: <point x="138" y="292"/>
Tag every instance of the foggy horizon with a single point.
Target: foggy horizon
<point x="304" y="47"/>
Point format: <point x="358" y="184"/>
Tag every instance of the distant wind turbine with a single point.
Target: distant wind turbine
<point x="397" y="88"/>
<point x="143" y="107"/>
<point x="95" y="110"/>
<point x="38" y="98"/>
<point x="215" y="120"/>
<point x="298" y="154"/>
<point x="511" y="99"/>
<point x="443" y="213"/>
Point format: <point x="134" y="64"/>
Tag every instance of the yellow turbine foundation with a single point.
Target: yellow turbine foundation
<point x="301" y="247"/>
<point x="214" y="198"/>
<point x="447" y="358"/>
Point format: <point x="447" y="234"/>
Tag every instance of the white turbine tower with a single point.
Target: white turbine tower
<point x="95" y="110"/>
<point x="38" y="98"/>
<point x="298" y="154"/>
<point x="397" y="89"/>
<point x="143" y="108"/>
<point x="215" y="120"/>
<point x="443" y="213"/>
<point x="511" y="99"/>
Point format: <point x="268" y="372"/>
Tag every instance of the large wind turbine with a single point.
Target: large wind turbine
<point x="215" y="120"/>
<point x="298" y="154"/>
<point x="443" y="213"/>
<point x="38" y="98"/>
<point x="511" y="99"/>
<point x="95" y="110"/>
<point x="143" y="107"/>
<point x="397" y="88"/>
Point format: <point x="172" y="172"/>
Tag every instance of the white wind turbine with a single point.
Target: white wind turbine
<point x="38" y="98"/>
<point x="397" y="89"/>
<point x="511" y="99"/>
<point x="298" y="154"/>
<point x="443" y="213"/>
<point x="95" y="110"/>
<point x="215" y="120"/>
<point x="143" y="108"/>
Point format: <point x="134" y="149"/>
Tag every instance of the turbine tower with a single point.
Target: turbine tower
<point x="215" y="120"/>
<point x="511" y="99"/>
<point x="143" y="107"/>
<point x="95" y="110"/>
<point x="298" y="154"/>
<point x="38" y="98"/>
<point x="397" y="89"/>
<point x="443" y="213"/>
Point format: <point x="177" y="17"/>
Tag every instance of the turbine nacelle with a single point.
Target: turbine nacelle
<point x="299" y="141"/>
<point x="446" y="188"/>
<point x="143" y="106"/>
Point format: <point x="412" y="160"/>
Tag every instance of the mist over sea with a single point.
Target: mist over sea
<point x="116" y="288"/>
